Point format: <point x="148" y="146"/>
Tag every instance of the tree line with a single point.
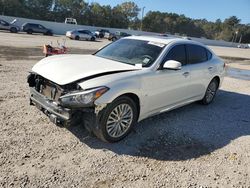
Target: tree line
<point x="127" y="15"/>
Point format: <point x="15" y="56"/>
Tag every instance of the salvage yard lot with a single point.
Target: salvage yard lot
<point x="192" y="146"/>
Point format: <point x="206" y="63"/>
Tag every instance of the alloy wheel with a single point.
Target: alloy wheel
<point x="119" y="120"/>
<point x="211" y="91"/>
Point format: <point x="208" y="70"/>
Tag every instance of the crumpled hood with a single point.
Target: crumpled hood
<point x="64" y="69"/>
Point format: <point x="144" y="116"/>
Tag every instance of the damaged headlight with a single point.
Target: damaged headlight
<point x="82" y="99"/>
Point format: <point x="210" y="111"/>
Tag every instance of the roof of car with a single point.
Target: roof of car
<point x="81" y="30"/>
<point x="161" y="39"/>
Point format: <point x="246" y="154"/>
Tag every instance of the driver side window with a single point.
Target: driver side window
<point x="177" y="53"/>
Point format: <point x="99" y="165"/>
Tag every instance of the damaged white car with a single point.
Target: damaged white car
<point x="125" y="82"/>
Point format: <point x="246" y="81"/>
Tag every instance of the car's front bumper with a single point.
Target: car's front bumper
<point x="56" y="113"/>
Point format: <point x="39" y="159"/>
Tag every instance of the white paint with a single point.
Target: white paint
<point x="64" y="69"/>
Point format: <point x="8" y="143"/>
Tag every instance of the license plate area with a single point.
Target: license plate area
<point x="51" y="92"/>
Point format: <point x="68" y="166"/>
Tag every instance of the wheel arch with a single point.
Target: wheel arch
<point x="136" y="100"/>
<point x="217" y="78"/>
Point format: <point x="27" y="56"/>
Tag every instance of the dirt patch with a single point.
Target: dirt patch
<point x="11" y="53"/>
<point x="233" y="59"/>
<point x="16" y="53"/>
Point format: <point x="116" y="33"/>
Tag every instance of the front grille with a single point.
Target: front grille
<point x="47" y="88"/>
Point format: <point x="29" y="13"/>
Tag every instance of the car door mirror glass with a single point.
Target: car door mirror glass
<point x="172" y="65"/>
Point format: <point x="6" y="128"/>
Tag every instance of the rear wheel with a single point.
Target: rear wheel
<point x="49" y="33"/>
<point x="13" y="30"/>
<point x="77" y="38"/>
<point x="117" y="120"/>
<point x="210" y="92"/>
<point x="29" y="31"/>
<point x="92" y="39"/>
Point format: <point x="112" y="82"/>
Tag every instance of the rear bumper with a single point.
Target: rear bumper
<point x="57" y="114"/>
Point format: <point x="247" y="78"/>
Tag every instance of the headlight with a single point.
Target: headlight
<point x="82" y="99"/>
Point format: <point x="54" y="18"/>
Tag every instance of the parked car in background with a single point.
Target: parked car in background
<point x="70" y="21"/>
<point x="102" y="33"/>
<point x="125" y="82"/>
<point x="163" y="35"/>
<point x="187" y="38"/>
<point x="36" y="28"/>
<point x="81" y="34"/>
<point x="245" y="46"/>
<point x="117" y="35"/>
<point x="9" y="26"/>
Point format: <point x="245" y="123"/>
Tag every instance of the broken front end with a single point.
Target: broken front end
<point x="67" y="104"/>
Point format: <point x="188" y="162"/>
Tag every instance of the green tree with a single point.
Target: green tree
<point x="39" y="9"/>
<point x="70" y="8"/>
<point x="13" y="8"/>
<point x="232" y="21"/>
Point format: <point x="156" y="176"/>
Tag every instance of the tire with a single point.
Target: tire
<point x="101" y="35"/>
<point x="13" y="30"/>
<point x="29" y="31"/>
<point x="92" y="39"/>
<point x="114" y="39"/>
<point x="210" y="92"/>
<point x="49" y="33"/>
<point x="119" y="126"/>
<point x="77" y="38"/>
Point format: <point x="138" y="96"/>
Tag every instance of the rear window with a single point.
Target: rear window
<point x="196" y="54"/>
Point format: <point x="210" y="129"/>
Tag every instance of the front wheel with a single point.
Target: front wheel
<point x="77" y="38"/>
<point x="210" y="92"/>
<point x="117" y="120"/>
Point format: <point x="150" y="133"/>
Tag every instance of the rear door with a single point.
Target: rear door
<point x="200" y="69"/>
<point x="34" y="28"/>
<point x="83" y="34"/>
<point x="41" y="29"/>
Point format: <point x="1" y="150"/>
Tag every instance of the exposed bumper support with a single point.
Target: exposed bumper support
<point x="57" y="114"/>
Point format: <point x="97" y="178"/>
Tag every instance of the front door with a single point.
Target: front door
<point x="167" y="88"/>
<point x="4" y="25"/>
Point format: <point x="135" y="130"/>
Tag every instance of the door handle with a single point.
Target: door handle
<point x="185" y="74"/>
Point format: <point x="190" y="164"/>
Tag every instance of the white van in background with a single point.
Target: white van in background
<point x="71" y="21"/>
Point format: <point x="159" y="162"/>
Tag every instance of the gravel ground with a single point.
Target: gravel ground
<point x="194" y="146"/>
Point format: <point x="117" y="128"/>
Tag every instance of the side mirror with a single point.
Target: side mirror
<point x="172" y="65"/>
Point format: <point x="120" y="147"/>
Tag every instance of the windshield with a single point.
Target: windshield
<point x="131" y="51"/>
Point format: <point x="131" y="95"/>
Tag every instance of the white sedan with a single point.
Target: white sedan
<point x="81" y="34"/>
<point x="125" y="82"/>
